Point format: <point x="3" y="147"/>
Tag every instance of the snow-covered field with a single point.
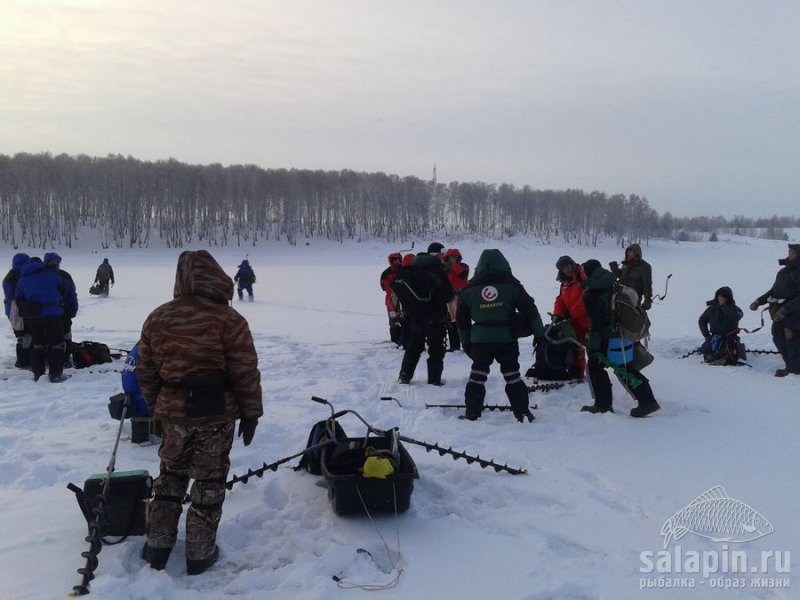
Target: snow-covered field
<point x="599" y="489"/>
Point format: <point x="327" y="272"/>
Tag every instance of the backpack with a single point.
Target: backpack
<point x="628" y="319"/>
<point x="554" y="362"/>
<point x="726" y="351"/>
<point x="320" y="432"/>
<point x="86" y="354"/>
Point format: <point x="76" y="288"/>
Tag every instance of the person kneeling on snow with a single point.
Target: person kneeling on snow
<point x="486" y="308"/>
<point x="719" y="325"/>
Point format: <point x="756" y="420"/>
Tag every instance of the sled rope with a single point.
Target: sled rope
<point x="372" y="587"/>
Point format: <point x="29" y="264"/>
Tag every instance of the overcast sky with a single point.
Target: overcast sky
<point x="695" y="105"/>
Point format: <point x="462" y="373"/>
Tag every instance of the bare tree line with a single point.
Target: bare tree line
<point x="47" y="200"/>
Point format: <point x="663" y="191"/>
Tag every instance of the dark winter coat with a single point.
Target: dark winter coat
<point x="424" y="291"/>
<point x="720" y="319"/>
<point x="41" y="289"/>
<point x="637" y="274"/>
<point x="10" y="281"/>
<point x="104" y="272"/>
<point x="492" y="296"/>
<point x="245" y="276"/>
<point x="597" y="301"/>
<point x="787" y="289"/>
<point x="198" y="333"/>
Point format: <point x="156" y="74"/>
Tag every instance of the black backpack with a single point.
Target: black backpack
<point x="320" y="432"/>
<point x="86" y="354"/>
<point x="554" y="362"/>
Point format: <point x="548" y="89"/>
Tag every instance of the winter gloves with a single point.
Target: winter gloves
<point x="247" y="429"/>
<point x="754" y="305"/>
<point x="647" y="303"/>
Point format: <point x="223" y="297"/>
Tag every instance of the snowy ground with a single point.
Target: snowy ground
<point x="599" y="487"/>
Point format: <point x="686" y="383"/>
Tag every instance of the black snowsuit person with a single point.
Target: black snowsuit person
<point x="719" y="325"/>
<point x="245" y="278"/>
<point x="424" y="291"/>
<point x="484" y="315"/>
<point x="597" y="300"/>
<point x="784" y="308"/>
<point x="104" y="276"/>
<point x="636" y="273"/>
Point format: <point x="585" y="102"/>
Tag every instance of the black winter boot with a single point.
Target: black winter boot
<point x="156" y="557"/>
<point x="644" y="409"/>
<point x="522" y="416"/>
<point x="595" y="409"/>
<point x="195" y="567"/>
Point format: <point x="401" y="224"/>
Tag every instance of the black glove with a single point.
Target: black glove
<point x="754" y="305"/>
<point x="647" y="303"/>
<point x="247" y="429"/>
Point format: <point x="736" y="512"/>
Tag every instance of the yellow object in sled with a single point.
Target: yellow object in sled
<point x="377" y="467"/>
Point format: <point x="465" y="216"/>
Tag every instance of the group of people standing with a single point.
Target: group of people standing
<point x="431" y="293"/>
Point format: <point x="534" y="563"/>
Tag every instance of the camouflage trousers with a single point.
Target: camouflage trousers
<point x="198" y="452"/>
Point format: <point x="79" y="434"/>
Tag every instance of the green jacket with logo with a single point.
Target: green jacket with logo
<point x="490" y="299"/>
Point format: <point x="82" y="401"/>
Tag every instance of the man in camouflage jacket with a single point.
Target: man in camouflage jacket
<point x="198" y="371"/>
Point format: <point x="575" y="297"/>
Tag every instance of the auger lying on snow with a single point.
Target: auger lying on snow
<point x="490" y="407"/>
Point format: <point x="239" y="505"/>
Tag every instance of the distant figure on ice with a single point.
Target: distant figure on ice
<point x="719" y="325"/>
<point x="597" y="300"/>
<point x="424" y="291"/>
<point x="245" y="278"/>
<point x="24" y="338"/>
<point x="104" y="277"/>
<point x="52" y="262"/>
<point x="636" y="273"/>
<point x="390" y="300"/>
<point x="458" y="274"/>
<point x="784" y="308"/>
<point x="485" y="311"/>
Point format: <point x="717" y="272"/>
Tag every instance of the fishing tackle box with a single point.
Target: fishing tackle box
<point x="126" y="507"/>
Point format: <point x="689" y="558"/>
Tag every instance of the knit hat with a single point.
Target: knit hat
<point x="435" y="248"/>
<point x="590" y="266"/>
<point x="51" y="258"/>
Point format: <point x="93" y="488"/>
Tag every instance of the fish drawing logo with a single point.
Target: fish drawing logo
<point x="718" y="517"/>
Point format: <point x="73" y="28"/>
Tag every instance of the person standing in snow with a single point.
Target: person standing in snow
<point x="424" y="291"/>
<point x="458" y="274"/>
<point x="597" y="300"/>
<point x="636" y="273"/>
<point x="24" y="338"/>
<point x="784" y="308"/>
<point x="569" y="305"/>
<point x="486" y="309"/>
<point x="390" y="298"/>
<point x="245" y="278"/>
<point x="104" y="277"/>
<point x="40" y="298"/>
<point x="198" y="371"/>
<point x="52" y="261"/>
